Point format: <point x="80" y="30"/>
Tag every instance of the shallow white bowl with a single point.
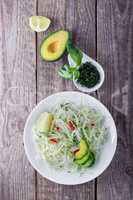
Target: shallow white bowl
<point x="85" y="59"/>
<point x="64" y="177"/>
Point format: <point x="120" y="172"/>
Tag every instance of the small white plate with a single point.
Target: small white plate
<point x="63" y="177"/>
<point x="85" y="59"/>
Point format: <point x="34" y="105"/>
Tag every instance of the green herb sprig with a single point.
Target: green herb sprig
<point x="71" y="72"/>
<point x="68" y="72"/>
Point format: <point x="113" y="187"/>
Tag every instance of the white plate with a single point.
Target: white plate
<point x="85" y="59"/>
<point x="64" y="177"/>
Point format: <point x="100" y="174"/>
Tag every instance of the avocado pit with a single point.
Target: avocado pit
<point x="53" y="47"/>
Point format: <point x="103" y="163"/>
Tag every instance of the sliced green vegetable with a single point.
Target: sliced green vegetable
<point x="82" y="160"/>
<point x="90" y="160"/>
<point x="89" y="127"/>
<point x="83" y="149"/>
<point x="45" y="122"/>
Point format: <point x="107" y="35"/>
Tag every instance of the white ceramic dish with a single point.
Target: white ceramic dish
<point x="64" y="177"/>
<point x="99" y="68"/>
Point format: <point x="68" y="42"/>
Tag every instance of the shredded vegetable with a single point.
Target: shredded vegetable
<point x="70" y="124"/>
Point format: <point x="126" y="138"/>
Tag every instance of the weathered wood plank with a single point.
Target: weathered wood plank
<point x="115" y="53"/>
<point x="78" y="17"/>
<point x="17" y="97"/>
<point x="80" y="21"/>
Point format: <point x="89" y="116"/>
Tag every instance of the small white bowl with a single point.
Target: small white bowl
<point x="98" y="67"/>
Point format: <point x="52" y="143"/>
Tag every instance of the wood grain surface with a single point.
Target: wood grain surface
<point x="17" y="97"/>
<point x="115" y="53"/>
<point x="104" y="30"/>
<point x="67" y="15"/>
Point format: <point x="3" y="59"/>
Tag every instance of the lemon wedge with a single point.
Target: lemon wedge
<point x="39" y="23"/>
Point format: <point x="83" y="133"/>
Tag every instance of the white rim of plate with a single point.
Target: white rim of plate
<point x="33" y="164"/>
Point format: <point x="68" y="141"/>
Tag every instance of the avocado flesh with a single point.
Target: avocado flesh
<point x="90" y="161"/>
<point x="44" y="123"/>
<point x="54" y="45"/>
<point x="83" y="149"/>
<point x="82" y="160"/>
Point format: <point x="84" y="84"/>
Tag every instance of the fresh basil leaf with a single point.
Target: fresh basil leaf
<point x="72" y="69"/>
<point x="75" y="53"/>
<point x="69" y="72"/>
<point x="66" y="67"/>
<point x="65" y="73"/>
<point x="76" y="74"/>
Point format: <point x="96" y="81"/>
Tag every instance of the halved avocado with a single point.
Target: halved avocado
<point x="90" y="161"/>
<point x="54" y="45"/>
<point x="82" y="160"/>
<point x="83" y="149"/>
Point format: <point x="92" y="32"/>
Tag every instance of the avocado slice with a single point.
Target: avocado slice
<point x="83" y="149"/>
<point x="44" y="123"/>
<point x="82" y="160"/>
<point x="54" y="45"/>
<point x="90" y="161"/>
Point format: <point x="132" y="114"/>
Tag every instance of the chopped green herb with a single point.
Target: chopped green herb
<point x="89" y="75"/>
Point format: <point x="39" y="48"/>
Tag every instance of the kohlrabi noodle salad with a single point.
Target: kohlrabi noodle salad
<point x="70" y="137"/>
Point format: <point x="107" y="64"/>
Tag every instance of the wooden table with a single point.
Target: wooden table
<point x="104" y="30"/>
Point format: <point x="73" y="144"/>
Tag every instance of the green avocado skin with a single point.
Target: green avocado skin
<point x="90" y="160"/>
<point x="49" y="35"/>
<point x="87" y="160"/>
<point x="82" y="160"/>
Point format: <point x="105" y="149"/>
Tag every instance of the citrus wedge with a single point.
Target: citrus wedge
<point x="39" y="23"/>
